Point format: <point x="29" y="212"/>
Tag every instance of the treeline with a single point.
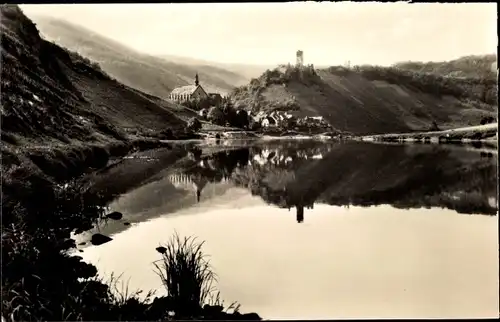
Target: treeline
<point x="482" y="89"/>
<point x="220" y="112"/>
<point x="474" y="66"/>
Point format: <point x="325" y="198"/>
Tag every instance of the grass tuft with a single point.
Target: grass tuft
<point x="186" y="273"/>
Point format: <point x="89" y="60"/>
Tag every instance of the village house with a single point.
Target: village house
<point x="275" y="118"/>
<point x="187" y="92"/>
<point x="286" y="119"/>
<point x="203" y="113"/>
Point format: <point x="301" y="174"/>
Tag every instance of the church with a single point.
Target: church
<point x="187" y="92"/>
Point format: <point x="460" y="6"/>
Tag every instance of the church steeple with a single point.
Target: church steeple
<point x="196" y="80"/>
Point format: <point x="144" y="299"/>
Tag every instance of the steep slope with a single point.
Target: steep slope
<point x="150" y="74"/>
<point x="50" y="94"/>
<point x="468" y="66"/>
<point x="371" y="100"/>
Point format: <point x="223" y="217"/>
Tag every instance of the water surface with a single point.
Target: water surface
<point x="320" y="230"/>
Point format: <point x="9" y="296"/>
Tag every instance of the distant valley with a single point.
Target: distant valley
<point x="153" y="75"/>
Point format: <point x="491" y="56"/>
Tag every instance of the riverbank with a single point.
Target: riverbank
<point x="44" y="202"/>
<point x="487" y="132"/>
<point x="481" y="133"/>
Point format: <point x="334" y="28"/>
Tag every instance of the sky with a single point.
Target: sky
<point x="329" y="33"/>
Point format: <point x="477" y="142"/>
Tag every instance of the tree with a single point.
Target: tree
<point x="254" y="125"/>
<point x="216" y="116"/>
<point x="194" y="124"/>
<point x="487" y="120"/>
<point x="197" y="103"/>
<point x="205" y="103"/>
<point x="242" y="119"/>
<point x="229" y="112"/>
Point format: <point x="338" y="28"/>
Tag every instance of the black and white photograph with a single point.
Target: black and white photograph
<point x="249" y="161"/>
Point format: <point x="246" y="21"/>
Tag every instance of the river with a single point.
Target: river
<point x="315" y="230"/>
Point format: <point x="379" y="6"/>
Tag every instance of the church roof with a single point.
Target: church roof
<point x="188" y="89"/>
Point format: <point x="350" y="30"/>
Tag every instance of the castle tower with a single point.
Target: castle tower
<point x="300" y="58"/>
<point x="199" y="183"/>
<point x="196" y="80"/>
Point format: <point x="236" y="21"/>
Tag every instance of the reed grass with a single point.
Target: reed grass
<point x="186" y="273"/>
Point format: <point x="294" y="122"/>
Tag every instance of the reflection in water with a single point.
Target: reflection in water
<point x="422" y="262"/>
<point x="193" y="182"/>
<point x="356" y="174"/>
<point x="300" y="212"/>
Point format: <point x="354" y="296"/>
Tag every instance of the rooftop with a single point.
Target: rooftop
<point x="188" y="89"/>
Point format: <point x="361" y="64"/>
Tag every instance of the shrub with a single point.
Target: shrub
<point x="216" y="116"/>
<point x="241" y="119"/>
<point x="194" y="124"/>
<point x="487" y="120"/>
<point x="186" y="274"/>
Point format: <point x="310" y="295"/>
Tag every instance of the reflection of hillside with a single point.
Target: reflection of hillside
<point x="130" y="173"/>
<point x="366" y="174"/>
<point x="154" y="199"/>
<point x="296" y="175"/>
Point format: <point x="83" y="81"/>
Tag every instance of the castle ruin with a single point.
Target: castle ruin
<point x="300" y="58"/>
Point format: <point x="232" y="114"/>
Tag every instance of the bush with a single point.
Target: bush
<point x="198" y="104"/>
<point x="216" y="116"/>
<point x="254" y="126"/>
<point x="186" y="274"/>
<point x="241" y="119"/>
<point x="194" y="124"/>
<point x="487" y="120"/>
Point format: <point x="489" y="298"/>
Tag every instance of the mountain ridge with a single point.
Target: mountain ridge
<point x="465" y="66"/>
<point x="148" y="73"/>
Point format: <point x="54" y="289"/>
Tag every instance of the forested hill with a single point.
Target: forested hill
<point x="373" y="99"/>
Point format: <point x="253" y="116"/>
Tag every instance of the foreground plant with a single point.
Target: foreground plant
<point x="43" y="280"/>
<point x="186" y="274"/>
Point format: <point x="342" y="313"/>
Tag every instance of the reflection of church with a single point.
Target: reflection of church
<point x="190" y="182"/>
<point x="300" y="211"/>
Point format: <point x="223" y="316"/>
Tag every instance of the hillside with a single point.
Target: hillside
<point x="150" y="74"/>
<point x="468" y="66"/>
<point x="372" y="100"/>
<point x="50" y="94"/>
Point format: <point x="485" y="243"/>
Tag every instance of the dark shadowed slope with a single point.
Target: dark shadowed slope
<point x="51" y="93"/>
<point x="150" y="74"/>
<point x="372" y="100"/>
